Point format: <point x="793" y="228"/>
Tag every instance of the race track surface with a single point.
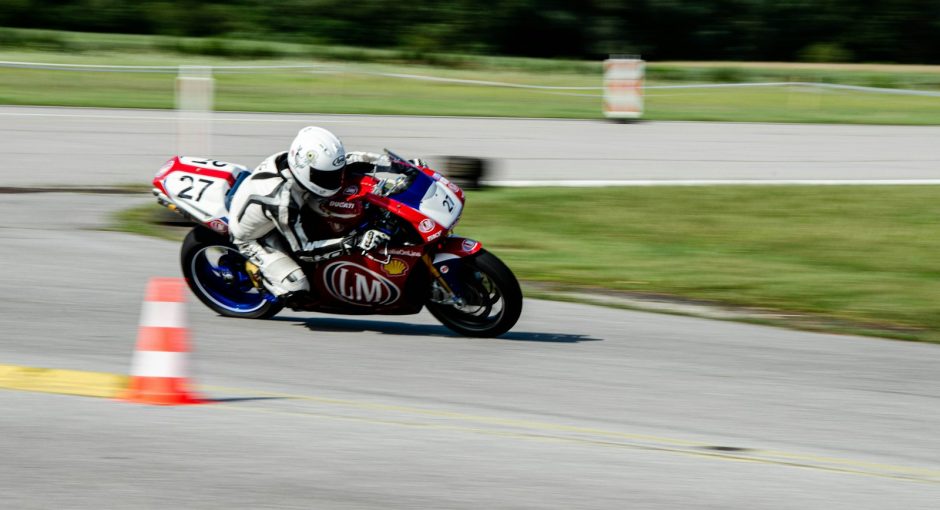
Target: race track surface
<point x="83" y="146"/>
<point x="577" y="407"/>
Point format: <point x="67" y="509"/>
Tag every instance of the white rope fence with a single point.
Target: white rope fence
<point x="334" y="69"/>
<point x="44" y="66"/>
<point x="856" y="88"/>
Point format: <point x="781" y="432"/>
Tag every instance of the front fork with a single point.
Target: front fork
<point x="449" y="296"/>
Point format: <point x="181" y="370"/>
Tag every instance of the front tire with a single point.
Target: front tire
<point x="215" y="272"/>
<point x="492" y="299"/>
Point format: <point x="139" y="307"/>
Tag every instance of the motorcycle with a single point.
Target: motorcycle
<point x="465" y="287"/>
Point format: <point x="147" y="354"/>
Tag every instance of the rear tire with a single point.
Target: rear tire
<point x="215" y="272"/>
<point x="493" y="299"/>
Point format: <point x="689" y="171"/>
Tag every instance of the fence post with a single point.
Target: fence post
<point x="194" y="105"/>
<point x="623" y="88"/>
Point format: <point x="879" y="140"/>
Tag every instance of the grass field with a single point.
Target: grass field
<point x="354" y="85"/>
<point x="852" y="259"/>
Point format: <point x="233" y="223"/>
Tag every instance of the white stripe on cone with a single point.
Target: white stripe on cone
<point x="163" y="314"/>
<point x="159" y="364"/>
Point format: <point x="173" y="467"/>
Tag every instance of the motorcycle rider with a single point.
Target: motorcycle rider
<point x="268" y="206"/>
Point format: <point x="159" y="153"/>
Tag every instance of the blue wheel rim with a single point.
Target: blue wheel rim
<point x="219" y="274"/>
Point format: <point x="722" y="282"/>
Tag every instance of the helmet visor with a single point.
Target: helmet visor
<point x="329" y="180"/>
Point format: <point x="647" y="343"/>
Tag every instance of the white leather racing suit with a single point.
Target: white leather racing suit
<point x="265" y="223"/>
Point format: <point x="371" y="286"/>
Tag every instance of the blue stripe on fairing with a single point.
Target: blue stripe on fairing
<point x="230" y="194"/>
<point x="413" y="195"/>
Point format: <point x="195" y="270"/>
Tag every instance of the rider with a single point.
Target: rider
<point x="265" y="217"/>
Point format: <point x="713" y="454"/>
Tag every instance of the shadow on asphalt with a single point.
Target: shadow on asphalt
<point x="321" y="324"/>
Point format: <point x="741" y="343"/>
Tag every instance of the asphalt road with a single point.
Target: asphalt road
<point x="577" y="407"/>
<point x="78" y="146"/>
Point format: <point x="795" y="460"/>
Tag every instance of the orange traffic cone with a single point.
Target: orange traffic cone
<point x="158" y="374"/>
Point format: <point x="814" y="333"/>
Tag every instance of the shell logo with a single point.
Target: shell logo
<point x="358" y="285"/>
<point x="395" y="267"/>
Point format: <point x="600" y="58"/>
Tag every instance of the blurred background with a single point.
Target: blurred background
<point x="535" y="43"/>
<point x="738" y="30"/>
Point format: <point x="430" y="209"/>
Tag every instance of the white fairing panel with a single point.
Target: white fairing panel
<point x="202" y="194"/>
<point x="441" y="205"/>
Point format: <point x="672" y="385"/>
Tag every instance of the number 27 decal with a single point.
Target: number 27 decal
<point x="449" y="204"/>
<point x="192" y="183"/>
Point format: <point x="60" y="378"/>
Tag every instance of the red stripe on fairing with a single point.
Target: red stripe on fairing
<point x="437" y="176"/>
<point x="456" y="246"/>
<point x="179" y="166"/>
<point x="158" y="179"/>
<point x="158" y="183"/>
<point x="218" y="174"/>
<point x="412" y="215"/>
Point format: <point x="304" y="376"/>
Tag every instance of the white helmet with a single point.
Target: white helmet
<point x="316" y="160"/>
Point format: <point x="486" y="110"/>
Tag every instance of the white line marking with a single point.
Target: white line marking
<point x="170" y="117"/>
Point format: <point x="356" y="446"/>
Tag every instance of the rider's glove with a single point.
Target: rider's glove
<point x="418" y="162"/>
<point x="370" y="240"/>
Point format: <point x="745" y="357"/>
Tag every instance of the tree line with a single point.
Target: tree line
<point x="906" y="31"/>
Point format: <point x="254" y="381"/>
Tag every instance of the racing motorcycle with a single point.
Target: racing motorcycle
<point x="465" y="287"/>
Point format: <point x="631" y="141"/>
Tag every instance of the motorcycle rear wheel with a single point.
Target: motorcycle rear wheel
<point x="492" y="299"/>
<point x="215" y="272"/>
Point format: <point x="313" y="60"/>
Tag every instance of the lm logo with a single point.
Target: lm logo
<point x="358" y="285"/>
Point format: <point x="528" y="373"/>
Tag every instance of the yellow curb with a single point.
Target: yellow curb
<point x="66" y="382"/>
<point x="107" y="385"/>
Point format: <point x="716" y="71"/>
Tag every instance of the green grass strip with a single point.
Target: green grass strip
<point x="857" y="259"/>
<point x="855" y="254"/>
<point x="357" y="91"/>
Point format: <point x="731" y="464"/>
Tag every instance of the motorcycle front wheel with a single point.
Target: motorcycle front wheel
<point x="215" y="272"/>
<point x="491" y="298"/>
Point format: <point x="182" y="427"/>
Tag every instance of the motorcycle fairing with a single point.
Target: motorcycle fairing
<point x="448" y="259"/>
<point x="432" y="198"/>
<point x="446" y="182"/>
<point x="428" y="229"/>
<point x="199" y="187"/>
<point x="357" y="284"/>
<point x="456" y="247"/>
